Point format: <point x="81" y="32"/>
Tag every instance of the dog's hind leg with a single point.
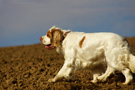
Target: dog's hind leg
<point x="97" y="71"/>
<point x="104" y="76"/>
<point x="128" y="76"/>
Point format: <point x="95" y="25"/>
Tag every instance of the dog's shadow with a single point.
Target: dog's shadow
<point x="118" y="78"/>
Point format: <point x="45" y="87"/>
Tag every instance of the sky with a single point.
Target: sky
<point x="23" y="22"/>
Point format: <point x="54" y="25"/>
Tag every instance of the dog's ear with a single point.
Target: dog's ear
<point x="57" y="38"/>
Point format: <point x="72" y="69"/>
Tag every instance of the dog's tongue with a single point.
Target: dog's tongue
<point x="47" y="47"/>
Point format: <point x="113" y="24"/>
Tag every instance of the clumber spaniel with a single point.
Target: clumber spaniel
<point x="90" y="50"/>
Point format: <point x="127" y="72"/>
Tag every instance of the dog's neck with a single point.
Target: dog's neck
<point x="66" y="33"/>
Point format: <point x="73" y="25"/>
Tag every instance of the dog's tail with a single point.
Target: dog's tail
<point x="132" y="62"/>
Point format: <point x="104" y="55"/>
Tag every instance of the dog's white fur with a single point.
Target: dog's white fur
<point x="96" y="49"/>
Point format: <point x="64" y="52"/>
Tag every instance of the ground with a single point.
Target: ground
<point x="29" y="68"/>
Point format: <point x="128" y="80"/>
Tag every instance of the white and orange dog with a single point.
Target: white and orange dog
<point x="91" y="50"/>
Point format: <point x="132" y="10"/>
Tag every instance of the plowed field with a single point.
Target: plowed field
<point x="29" y="68"/>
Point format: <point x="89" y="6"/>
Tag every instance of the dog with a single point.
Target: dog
<point x="91" y="50"/>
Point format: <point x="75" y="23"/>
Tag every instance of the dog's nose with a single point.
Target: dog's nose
<point x="41" y="38"/>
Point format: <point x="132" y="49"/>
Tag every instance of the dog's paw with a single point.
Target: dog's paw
<point x="51" y="80"/>
<point x="94" y="81"/>
<point x="101" y="79"/>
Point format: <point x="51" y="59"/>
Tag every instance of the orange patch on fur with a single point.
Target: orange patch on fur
<point x="81" y="42"/>
<point x="56" y="37"/>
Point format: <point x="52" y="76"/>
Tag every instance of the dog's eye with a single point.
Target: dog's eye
<point x="48" y="35"/>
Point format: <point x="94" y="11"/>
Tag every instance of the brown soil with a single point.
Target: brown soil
<point x="30" y="67"/>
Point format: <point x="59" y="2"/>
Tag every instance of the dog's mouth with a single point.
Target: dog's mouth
<point x="49" y="46"/>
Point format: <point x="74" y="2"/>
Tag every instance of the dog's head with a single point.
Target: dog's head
<point x="54" y="37"/>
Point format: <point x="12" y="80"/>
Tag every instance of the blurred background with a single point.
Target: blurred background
<point x="23" y="22"/>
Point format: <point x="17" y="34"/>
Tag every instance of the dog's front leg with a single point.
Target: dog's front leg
<point x="67" y="68"/>
<point x="65" y="72"/>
